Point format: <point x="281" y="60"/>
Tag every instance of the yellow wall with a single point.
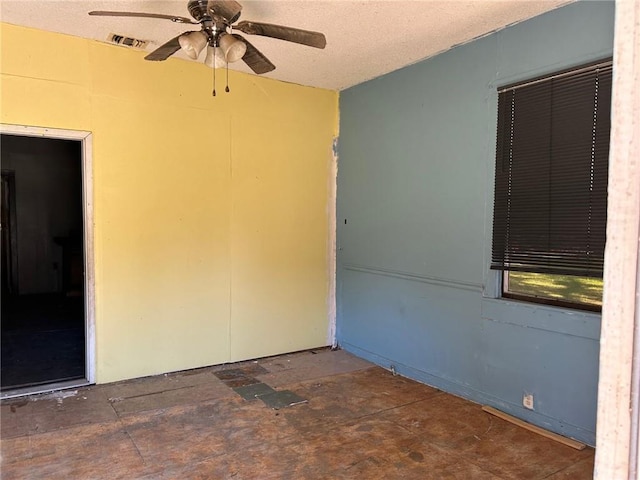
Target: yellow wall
<point x="211" y="214"/>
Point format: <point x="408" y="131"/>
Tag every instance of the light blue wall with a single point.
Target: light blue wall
<point x="415" y="187"/>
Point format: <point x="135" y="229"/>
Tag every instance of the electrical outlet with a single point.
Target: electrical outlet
<point x="527" y="401"/>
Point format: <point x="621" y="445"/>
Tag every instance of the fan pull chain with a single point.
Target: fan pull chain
<point x="226" y="89"/>
<point x="214" y="80"/>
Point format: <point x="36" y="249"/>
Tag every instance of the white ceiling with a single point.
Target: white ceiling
<point x="365" y="39"/>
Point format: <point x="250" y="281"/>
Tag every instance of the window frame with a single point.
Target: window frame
<point x="501" y="277"/>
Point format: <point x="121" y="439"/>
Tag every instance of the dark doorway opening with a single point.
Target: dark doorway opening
<point x="43" y="289"/>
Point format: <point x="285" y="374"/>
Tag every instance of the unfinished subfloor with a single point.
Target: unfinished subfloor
<point x="358" y="421"/>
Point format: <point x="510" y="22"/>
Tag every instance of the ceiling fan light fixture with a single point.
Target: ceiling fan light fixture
<point x="215" y="58"/>
<point x="232" y="48"/>
<point x="193" y="43"/>
<point x="217" y="20"/>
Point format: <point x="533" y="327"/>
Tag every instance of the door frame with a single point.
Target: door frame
<point x="86" y="139"/>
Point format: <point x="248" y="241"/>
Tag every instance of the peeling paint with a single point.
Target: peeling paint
<point x="332" y="214"/>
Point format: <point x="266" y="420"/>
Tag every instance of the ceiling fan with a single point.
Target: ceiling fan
<point x="216" y="19"/>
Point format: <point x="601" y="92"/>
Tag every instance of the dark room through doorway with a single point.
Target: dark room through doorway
<point x="43" y="286"/>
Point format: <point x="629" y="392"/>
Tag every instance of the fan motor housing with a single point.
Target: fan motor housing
<point x="198" y="9"/>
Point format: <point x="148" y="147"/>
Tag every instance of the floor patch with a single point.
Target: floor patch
<point x="244" y="371"/>
<point x="241" y="382"/>
<point x="250" y="392"/>
<point x="282" y="399"/>
<point x="242" y="376"/>
<point x="230" y="374"/>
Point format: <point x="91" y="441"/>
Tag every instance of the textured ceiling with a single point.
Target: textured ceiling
<point x="365" y="39"/>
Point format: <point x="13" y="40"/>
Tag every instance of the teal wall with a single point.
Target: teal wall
<point x="415" y="194"/>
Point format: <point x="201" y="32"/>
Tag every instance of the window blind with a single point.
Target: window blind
<point x="550" y="204"/>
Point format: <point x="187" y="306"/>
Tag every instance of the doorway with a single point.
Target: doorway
<point x="46" y="323"/>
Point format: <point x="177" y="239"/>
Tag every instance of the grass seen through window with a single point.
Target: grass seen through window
<point x="563" y="288"/>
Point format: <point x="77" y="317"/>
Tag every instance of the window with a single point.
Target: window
<point x="550" y="205"/>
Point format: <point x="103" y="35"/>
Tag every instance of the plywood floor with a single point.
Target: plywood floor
<point x="358" y="421"/>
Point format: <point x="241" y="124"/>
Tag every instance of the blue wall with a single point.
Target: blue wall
<point x="415" y="194"/>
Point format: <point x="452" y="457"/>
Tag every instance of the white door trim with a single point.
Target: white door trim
<point x="89" y="264"/>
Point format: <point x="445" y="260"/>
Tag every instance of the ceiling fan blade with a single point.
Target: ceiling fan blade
<point x="165" y="51"/>
<point x="229" y="9"/>
<point x="255" y="59"/>
<point x="296" y="35"/>
<point x="173" y="18"/>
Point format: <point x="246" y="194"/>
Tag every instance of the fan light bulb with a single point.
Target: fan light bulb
<point x="233" y="48"/>
<point x="215" y="58"/>
<point x="193" y="43"/>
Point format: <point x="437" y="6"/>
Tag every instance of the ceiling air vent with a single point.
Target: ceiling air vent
<point x="127" y="41"/>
